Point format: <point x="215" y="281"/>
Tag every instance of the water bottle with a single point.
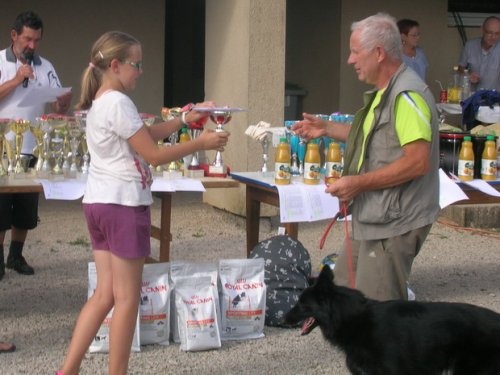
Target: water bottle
<point x="466" y="88"/>
<point x="455" y="87"/>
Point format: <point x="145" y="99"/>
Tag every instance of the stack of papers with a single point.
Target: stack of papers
<point x="72" y="189"/>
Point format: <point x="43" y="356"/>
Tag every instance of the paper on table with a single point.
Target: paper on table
<point x="188" y="184"/>
<point x="41" y="95"/>
<point x="306" y="203"/>
<point x="178" y="184"/>
<point x="64" y="190"/>
<point x="162" y="184"/>
<point x="449" y="191"/>
<point x="483" y="186"/>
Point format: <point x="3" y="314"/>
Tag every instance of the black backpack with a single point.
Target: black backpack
<point x="287" y="271"/>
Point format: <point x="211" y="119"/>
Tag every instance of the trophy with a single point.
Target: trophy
<point x="4" y="128"/>
<point x="220" y="117"/>
<point x="10" y="148"/>
<point x="149" y="120"/>
<point x="81" y="119"/>
<point x="195" y="129"/>
<point x="46" y="153"/>
<point x="75" y="131"/>
<point x="36" y="129"/>
<point x="294" y="146"/>
<point x="168" y="114"/>
<point x="326" y="143"/>
<point x="264" y="141"/>
<point x="19" y="127"/>
<point x="301" y="154"/>
<point x="66" y="148"/>
<point x="59" y="125"/>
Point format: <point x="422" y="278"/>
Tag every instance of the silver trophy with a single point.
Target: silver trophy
<point x="75" y="132"/>
<point x="220" y="117"/>
<point x="59" y="125"/>
<point x="10" y="149"/>
<point x="264" y="141"/>
<point x="36" y="129"/>
<point x="168" y="114"/>
<point x="81" y="119"/>
<point x="149" y="120"/>
<point x="46" y="152"/>
<point x="195" y="160"/>
<point x="4" y="128"/>
<point x="66" y="148"/>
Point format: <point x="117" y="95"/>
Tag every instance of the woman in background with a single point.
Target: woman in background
<point x="413" y="56"/>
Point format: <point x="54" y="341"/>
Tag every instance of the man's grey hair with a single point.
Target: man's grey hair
<point x="380" y="30"/>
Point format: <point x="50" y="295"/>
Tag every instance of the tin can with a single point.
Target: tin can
<point x="443" y="96"/>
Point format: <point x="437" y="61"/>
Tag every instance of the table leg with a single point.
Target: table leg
<point x="165" y="235"/>
<point x="292" y="229"/>
<point x="253" y="217"/>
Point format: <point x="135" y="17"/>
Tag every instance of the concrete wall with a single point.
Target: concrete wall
<point x="244" y="67"/>
<point x="313" y="52"/>
<point x="71" y="27"/>
<point x="248" y="45"/>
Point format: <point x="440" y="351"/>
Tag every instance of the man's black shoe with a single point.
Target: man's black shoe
<point x="2" y="271"/>
<point x="20" y="265"/>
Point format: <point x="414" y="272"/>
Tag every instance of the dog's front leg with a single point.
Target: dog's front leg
<point x="355" y="369"/>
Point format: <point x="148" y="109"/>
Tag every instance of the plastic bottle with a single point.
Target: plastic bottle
<point x="489" y="160"/>
<point x="466" y="88"/>
<point x="466" y="160"/>
<point x="282" y="163"/>
<point x="184" y="137"/>
<point x="312" y="164"/>
<point x="455" y="86"/>
<point x="333" y="163"/>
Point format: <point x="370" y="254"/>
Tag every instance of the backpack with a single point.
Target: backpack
<point x="470" y="106"/>
<point x="287" y="270"/>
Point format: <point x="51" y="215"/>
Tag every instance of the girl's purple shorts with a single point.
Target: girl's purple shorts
<point x="123" y="230"/>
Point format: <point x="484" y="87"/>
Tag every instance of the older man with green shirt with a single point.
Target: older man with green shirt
<point x="391" y="161"/>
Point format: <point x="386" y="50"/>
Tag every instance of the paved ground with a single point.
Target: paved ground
<point x="38" y="312"/>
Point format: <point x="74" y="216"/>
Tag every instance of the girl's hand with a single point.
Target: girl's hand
<point x="212" y="140"/>
<point x="195" y="116"/>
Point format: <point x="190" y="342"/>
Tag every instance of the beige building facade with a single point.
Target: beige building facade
<point x="252" y="48"/>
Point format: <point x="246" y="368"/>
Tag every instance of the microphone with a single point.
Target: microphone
<point x="29" y="59"/>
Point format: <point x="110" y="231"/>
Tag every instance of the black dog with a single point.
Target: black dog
<point x="401" y="337"/>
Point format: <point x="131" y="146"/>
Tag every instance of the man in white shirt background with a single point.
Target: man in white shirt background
<point x="22" y="69"/>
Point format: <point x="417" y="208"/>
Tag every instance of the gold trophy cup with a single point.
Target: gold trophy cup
<point x="4" y="128"/>
<point x="19" y="127"/>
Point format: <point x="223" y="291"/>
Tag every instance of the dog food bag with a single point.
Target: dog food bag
<point x="181" y="269"/>
<point x="243" y="298"/>
<point x="197" y="313"/>
<point x="154" y="307"/>
<point x="100" y="344"/>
